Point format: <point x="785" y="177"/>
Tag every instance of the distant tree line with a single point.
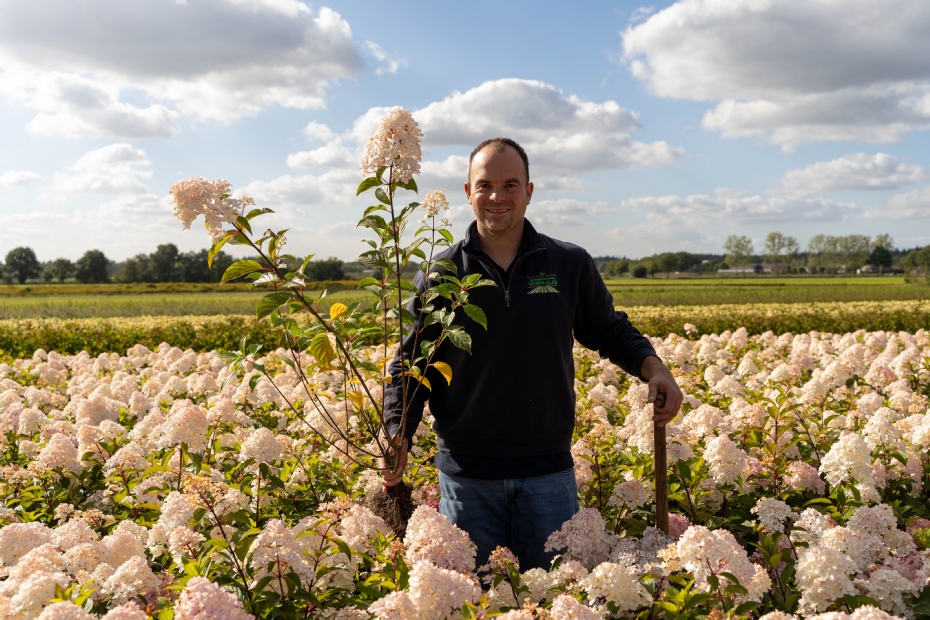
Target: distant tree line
<point x="825" y="253"/>
<point x="21" y="265"/>
<point x="165" y="264"/>
<point x="780" y="254"/>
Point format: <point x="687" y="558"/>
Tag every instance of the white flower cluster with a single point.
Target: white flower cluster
<point x="197" y="196"/>
<point x="396" y="144"/>
<point x="774" y="514"/>
<point x="432" y="204"/>
<point x="705" y="553"/>
<point x="431" y="537"/>
<point x="67" y="418"/>
<point x="583" y="538"/>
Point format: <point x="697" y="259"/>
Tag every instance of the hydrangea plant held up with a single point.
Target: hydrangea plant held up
<point x="332" y="340"/>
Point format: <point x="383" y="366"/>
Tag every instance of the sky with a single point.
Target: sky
<point x="649" y="127"/>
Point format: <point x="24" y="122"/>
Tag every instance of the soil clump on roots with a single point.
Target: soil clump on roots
<point x="395" y="506"/>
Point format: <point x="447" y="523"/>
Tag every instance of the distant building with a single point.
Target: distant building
<point x="750" y="268"/>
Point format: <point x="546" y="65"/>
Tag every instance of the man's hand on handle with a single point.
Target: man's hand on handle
<point x="661" y="381"/>
<point x="389" y="478"/>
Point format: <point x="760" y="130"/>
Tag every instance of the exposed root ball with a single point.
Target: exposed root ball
<point x="394" y="506"/>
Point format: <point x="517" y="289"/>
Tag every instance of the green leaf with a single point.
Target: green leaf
<point x="332" y="288"/>
<point x="446" y="235"/>
<point x="240" y="268"/>
<point x="215" y="249"/>
<point x="382" y="196"/>
<point x="746" y="607"/>
<point x="372" y="221"/>
<point x="477" y="315"/>
<point x="271" y="302"/>
<point x="410" y="185"/>
<point x="256" y="212"/>
<point x="460" y="338"/>
<point x="322" y="349"/>
<point x="447" y="264"/>
<point x="367" y="184"/>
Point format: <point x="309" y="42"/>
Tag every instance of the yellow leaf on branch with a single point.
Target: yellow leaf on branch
<point x="445" y="370"/>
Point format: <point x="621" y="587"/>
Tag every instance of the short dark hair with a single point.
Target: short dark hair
<point x="500" y="143"/>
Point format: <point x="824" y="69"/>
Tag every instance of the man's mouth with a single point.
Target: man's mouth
<point x="498" y="210"/>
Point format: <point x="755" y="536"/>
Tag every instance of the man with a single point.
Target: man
<point x="504" y="424"/>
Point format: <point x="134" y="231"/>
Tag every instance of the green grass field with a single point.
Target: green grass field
<point x="714" y="291"/>
<point x="71" y="302"/>
<point x="175" y="299"/>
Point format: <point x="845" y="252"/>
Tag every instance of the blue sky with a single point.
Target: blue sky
<point x="656" y="127"/>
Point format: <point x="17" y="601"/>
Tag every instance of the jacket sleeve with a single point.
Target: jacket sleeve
<point x="417" y="395"/>
<point x="599" y="326"/>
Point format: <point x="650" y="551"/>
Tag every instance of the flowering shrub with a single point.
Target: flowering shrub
<point x="20" y="337"/>
<point x="144" y="484"/>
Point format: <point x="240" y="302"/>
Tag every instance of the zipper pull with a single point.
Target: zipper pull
<point x="507" y="296"/>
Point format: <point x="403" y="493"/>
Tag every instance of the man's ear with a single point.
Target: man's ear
<point x="529" y="192"/>
<point x="467" y="189"/>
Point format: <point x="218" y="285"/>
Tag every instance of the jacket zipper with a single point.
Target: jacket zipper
<point x="493" y="273"/>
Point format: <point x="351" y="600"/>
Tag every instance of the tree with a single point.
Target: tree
<point x="854" y="249"/>
<point x="59" y="269"/>
<point x="668" y="262"/>
<point x="617" y="268"/>
<point x="688" y="261"/>
<point x="822" y="253"/>
<point x="164" y="262"/>
<point x="329" y="269"/>
<point x="780" y="249"/>
<point x="917" y="261"/>
<point x="193" y="266"/>
<point x="22" y="264"/>
<point x="92" y="268"/>
<point x="881" y="257"/>
<point x="739" y="249"/>
<point x="640" y="271"/>
<point x="883" y="240"/>
<point x="136" y="269"/>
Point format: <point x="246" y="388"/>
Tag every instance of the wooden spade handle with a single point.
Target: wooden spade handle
<point x="661" y="469"/>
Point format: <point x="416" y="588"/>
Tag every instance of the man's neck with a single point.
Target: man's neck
<point x="502" y="249"/>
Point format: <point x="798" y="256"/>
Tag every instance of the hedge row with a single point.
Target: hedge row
<point x="20" y="337"/>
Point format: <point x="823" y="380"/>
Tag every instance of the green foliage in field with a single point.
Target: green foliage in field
<point x="20" y="337"/>
<point x="692" y="292"/>
<point x="127" y="305"/>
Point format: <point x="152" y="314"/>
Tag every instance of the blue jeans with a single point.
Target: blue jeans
<point x="519" y="514"/>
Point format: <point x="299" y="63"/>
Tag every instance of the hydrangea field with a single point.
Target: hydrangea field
<point x="151" y="483"/>
<point x="20" y="337"/>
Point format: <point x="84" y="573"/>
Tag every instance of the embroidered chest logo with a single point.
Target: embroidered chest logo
<point x="543" y="283"/>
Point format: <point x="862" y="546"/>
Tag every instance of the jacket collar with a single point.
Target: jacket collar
<point x="531" y="240"/>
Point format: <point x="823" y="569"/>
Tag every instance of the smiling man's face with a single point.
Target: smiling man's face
<point x="498" y="190"/>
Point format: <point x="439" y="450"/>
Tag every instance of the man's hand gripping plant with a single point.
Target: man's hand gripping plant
<point x="333" y="339"/>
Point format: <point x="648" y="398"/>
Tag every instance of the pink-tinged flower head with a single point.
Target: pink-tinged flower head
<point x="197" y="196"/>
<point x="397" y="144"/>
<point x="204" y="600"/>
<point x="430" y="536"/>
<point x="583" y="538"/>
<point x="677" y="524"/>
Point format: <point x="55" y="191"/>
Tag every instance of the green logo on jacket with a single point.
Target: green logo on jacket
<point x="543" y="283"/>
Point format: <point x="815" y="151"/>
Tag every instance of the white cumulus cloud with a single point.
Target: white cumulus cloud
<point x="19" y="177"/>
<point x="113" y="169"/>
<point x="390" y="62"/>
<point x="565" y="136"/>
<point x="907" y="206"/>
<point x="859" y="171"/>
<point x="210" y="59"/>
<point x="792" y="71"/>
